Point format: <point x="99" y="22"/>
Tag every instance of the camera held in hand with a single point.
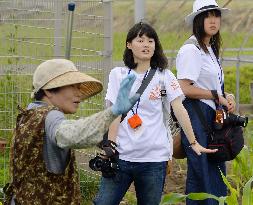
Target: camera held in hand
<point x="224" y="118"/>
<point x="106" y="166"/>
<point x="106" y="162"/>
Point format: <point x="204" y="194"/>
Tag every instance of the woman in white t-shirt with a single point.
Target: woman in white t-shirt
<point x="143" y="152"/>
<point x="199" y="74"/>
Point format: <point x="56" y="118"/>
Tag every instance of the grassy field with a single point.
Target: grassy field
<point x="24" y="41"/>
<point x="173" y="41"/>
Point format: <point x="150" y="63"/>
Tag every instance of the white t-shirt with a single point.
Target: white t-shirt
<point x="150" y="142"/>
<point x="200" y="67"/>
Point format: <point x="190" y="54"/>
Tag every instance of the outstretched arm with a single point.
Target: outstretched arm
<point x="184" y="120"/>
<point x="89" y="131"/>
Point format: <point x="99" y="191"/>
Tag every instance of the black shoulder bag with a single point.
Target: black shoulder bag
<point x="228" y="138"/>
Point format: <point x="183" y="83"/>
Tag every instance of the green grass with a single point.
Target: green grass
<point x="89" y="185"/>
<point x="37" y="43"/>
<point x="246" y="76"/>
<point x="4" y="170"/>
<point x="173" y="41"/>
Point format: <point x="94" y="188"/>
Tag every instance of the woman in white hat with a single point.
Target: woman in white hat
<point x="200" y="75"/>
<point x="43" y="162"/>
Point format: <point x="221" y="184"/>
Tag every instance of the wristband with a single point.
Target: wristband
<point x="230" y="95"/>
<point x="193" y="143"/>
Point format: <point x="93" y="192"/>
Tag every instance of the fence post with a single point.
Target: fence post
<point x="139" y="10"/>
<point x="238" y="84"/>
<point x="108" y="45"/>
<point x="3" y="144"/>
<point x="58" y="28"/>
<point x="71" y="8"/>
<point x="251" y="92"/>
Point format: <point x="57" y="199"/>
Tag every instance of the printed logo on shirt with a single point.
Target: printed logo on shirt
<point x="174" y="84"/>
<point x="155" y="93"/>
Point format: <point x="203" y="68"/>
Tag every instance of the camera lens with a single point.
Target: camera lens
<point x="96" y="163"/>
<point x="237" y="120"/>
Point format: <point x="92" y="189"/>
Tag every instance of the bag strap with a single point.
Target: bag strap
<point x="163" y="97"/>
<point x="146" y="81"/>
<point x="192" y="41"/>
<point x="202" y="118"/>
<point x="143" y="86"/>
<point x="168" y="114"/>
<point x="195" y="105"/>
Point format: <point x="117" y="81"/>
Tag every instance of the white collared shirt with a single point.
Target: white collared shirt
<point x="200" y="67"/>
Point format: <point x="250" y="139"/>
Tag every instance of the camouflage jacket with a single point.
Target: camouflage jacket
<point x="31" y="182"/>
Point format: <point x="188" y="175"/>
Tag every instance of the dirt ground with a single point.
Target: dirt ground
<point x="175" y="181"/>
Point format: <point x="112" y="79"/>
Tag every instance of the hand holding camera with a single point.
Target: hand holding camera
<point x="223" y="116"/>
<point x="229" y="102"/>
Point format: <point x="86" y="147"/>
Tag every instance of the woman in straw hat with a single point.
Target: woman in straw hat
<point x="200" y="76"/>
<point x="43" y="161"/>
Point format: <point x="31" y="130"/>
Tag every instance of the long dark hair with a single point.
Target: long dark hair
<point x="199" y="31"/>
<point x="158" y="60"/>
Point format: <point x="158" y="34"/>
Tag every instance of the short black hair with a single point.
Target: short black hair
<point x="158" y="60"/>
<point x="41" y="93"/>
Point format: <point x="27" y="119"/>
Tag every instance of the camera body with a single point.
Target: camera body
<point x="107" y="166"/>
<point x="224" y="118"/>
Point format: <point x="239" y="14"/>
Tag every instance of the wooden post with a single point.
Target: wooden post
<point x="3" y="144"/>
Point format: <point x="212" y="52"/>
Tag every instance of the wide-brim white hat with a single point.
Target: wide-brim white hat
<point x="57" y="73"/>
<point x="200" y="6"/>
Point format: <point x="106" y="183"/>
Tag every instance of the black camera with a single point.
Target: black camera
<point x="223" y="119"/>
<point x="107" y="161"/>
<point x="108" y="167"/>
<point x="236" y="120"/>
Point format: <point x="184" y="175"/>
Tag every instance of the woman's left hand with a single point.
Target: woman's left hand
<point x="231" y="103"/>
<point x="199" y="149"/>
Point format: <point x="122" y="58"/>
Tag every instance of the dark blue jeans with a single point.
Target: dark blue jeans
<point x="202" y="175"/>
<point x="148" y="178"/>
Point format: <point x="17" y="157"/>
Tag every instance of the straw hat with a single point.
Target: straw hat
<point x="200" y="6"/>
<point x="61" y="72"/>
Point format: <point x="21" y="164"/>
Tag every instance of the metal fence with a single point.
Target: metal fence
<point x="33" y="31"/>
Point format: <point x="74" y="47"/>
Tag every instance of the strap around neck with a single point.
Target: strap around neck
<point x="143" y="86"/>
